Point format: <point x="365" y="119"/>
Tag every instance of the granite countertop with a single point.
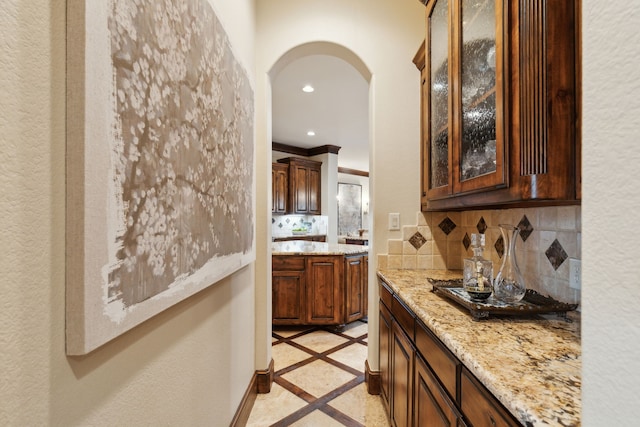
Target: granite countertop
<point x="531" y="365"/>
<point x="304" y="247"/>
<point x="354" y="237"/>
<point x="293" y="236"/>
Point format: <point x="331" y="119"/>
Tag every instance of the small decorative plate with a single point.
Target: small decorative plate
<point x="532" y="303"/>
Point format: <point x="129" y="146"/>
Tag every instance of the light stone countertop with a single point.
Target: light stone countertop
<point x="531" y="365"/>
<point x="304" y="247"/>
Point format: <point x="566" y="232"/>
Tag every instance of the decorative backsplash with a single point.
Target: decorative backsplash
<point x="283" y="225"/>
<point x="548" y="238"/>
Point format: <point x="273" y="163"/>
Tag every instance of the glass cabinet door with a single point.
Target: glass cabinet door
<point x="479" y="134"/>
<point x="439" y="97"/>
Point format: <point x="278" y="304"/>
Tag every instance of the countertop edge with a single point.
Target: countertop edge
<point x="519" y="409"/>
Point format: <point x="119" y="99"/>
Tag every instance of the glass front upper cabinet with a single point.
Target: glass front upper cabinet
<point x="438" y="97"/>
<point x="465" y="54"/>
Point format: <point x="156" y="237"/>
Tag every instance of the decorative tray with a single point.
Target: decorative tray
<point x="532" y="303"/>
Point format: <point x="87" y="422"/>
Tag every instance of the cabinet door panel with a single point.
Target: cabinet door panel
<point x="480" y="407"/>
<point x="385" y="355"/>
<point x="280" y="188"/>
<point x="314" y="191"/>
<point x="323" y="290"/>
<point x="444" y="364"/>
<point x="432" y="407"/>
<point x="401" y="378"/>
<point x="479" y="154"/>
<point x="288" y="297"/>
<point x="438" y="98"/>
<point x="354" y="288"/>
<point x="301" y="190"/>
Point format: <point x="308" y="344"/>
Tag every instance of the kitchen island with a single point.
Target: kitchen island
<point x="528" y="367"/>
<point x="316" y="283"/>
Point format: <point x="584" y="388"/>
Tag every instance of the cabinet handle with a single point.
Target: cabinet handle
<point x="493" y="422"/>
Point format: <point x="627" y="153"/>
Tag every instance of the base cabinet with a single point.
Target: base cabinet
<point x="402" y="354"/>
<point x="422" y="383"/>
<point x="433" y="408"/>
<point x="355" y="276"/>
<point x="318" y="289"/>
<point x="480" y="407"/>
<point x="324" y="304"/>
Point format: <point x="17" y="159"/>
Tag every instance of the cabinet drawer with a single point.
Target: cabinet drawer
<point x="287" y="263"/>
<point x="385" y="294"/>
<point x="404" y="316"/>
<point x="442" y="362"/>
<point x="480" y="407"/>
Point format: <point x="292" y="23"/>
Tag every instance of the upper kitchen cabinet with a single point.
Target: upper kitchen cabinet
<point x="280" y="182"/>
<point x="499" y="110"/>
<point x="304" y="186"/>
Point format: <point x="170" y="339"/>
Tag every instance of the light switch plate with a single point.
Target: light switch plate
<point x="575" y="273"/>
<point x="394" y="221"/>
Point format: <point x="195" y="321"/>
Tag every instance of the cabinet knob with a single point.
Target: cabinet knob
<point x="493" y="422"/>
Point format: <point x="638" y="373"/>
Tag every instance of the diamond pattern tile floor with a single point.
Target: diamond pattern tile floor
<point x="319" y="380"/>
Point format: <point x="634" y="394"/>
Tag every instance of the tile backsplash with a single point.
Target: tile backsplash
<point x="282" y="225"/>
<point x="548" y="238"/>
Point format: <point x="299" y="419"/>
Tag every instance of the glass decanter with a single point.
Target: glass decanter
<point x="478" y="272"/>
<point x="509" y="285"/>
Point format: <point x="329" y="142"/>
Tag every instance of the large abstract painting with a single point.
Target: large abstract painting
<point x="349" y="209"/>
<point x="160" y="186"/>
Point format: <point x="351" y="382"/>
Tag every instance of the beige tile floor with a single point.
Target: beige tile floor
<point x="319" y="380"/>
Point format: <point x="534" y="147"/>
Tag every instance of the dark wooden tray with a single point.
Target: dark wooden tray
<point x="532" y="303"/>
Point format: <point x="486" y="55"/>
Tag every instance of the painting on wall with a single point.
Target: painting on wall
<point x="160" y="139"/>
<point x="349" y="209"/>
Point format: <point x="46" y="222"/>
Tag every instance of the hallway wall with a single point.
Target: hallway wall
<point x="191" y="364"/>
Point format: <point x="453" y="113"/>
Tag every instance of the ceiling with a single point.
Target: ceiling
<point x="337" y="111"/>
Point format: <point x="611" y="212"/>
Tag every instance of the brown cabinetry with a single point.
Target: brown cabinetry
<point x="499" y="110"/>
<point x="324" y="283"/>
<point x="402" y="354"/>
<point x="422" y="382"/>
<point x="288" y="288"/>
<point x="304" y="188"/>
<point x="280" y="189"/>
<point x="318" y="289"/>
<point x="355" y="276"/>
<point x="479" y="406"/>
<point x="433" y="407"/>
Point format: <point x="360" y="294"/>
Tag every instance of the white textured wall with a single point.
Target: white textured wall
<point x="611" y="203"/>
<point x="188" y="366"/>
<point x="384" y="35"/>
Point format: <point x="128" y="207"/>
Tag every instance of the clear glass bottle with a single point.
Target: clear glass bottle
<point x="478" y="272"/>
<point x="509" y="285"/>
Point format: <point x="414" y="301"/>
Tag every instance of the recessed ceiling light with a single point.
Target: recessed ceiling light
<point x="311" y="133"/>
<point x="308" y="88"/>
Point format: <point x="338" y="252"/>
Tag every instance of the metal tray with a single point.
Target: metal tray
<point x="532" y="303"/>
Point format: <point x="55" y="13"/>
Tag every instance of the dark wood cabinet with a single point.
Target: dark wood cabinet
<point x="422" y="382"/>
<point x="384" y="336"/>
<point x="402" y="354"/>
<point x="304" y="185"/>
<point x="280" y="187"/>
<point x="324" y="283"/>
<point x="432" y="406"/>
<point x="288" y="288"/>
<point x="355" y="275"/>
<point x="318" y="289"/>
<point x="499" y="90"/>
<point x="479" y="405"/>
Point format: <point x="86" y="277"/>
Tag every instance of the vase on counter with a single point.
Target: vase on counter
<point x="509" y="285"/>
